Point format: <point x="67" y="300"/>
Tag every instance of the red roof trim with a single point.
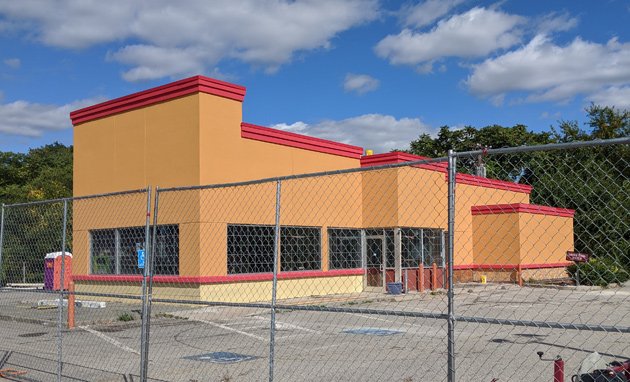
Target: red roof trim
<point x="492" y="183"/>
<point x="400" y="157"/>
<point x="220" y="279"/>
<point x="522" y="208"/>
<point x="510" y="267"/>
<point x="196" y="84"/>
<point x="285" y="138"/>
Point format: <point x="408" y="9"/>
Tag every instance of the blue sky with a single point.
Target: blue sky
<point x="366" y="72"/>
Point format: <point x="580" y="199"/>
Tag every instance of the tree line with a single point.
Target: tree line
<point x="40" y="174"/>
<point x="593" y="181"/>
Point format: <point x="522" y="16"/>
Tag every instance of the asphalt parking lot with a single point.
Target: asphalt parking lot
<point x="232" y="344"/>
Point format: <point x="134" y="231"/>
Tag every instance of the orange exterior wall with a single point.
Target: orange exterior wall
<point x="496" y="239"/>
<point x="467" y="196"/>
<point x="521" y="238"/>
<point x="422" y="198"/>
<point x="226" y="157"/>
<point x="154" y="145"/>
<point x="545" y="238"/>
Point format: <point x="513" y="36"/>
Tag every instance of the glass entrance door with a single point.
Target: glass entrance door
<point x="374" y="261"/>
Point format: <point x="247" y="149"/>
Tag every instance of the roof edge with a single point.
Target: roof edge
<point x="285" y="138"/>
<point x="480" y="181"/>
<point x="521" y="208"/>
<point x="163" y="93"/>
<point x="401" y="157"/>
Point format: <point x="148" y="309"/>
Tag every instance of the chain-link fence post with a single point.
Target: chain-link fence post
<point x="61" y="292"/>
<point x="149" y="266"/>
<point x="274" y="287"/>
<point x="144" y="346"/>
<point x="1" y="241"/>
<point x="452" y="162"/>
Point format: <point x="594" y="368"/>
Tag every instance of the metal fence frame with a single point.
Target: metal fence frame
<point x="450" y="317"/>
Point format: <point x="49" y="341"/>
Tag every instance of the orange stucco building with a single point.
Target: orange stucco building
<point x="341" y="233"/>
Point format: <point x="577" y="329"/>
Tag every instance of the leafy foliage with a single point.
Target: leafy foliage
<point x="593" y="181"/>
<point x="600" y="272"/>
<point x="42" y="173"/>
<point x="31" y="231"/>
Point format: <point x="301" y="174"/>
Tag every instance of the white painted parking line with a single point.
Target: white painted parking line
<point x="257" y="327"/>
<point x="326" y="346"/>
<point x="381" y="319"/>
<point x="286" y="325"/>
<point x="224" y="327"/>
<point x="111" y="340"/>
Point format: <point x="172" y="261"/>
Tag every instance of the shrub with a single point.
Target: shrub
<point x="125" y="317"/>
<point x="600" y="272"/>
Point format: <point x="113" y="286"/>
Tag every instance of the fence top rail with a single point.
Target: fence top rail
<point x="308" y="175"/>
<point x="547" y="147"/>
<point x="61" y="200"/>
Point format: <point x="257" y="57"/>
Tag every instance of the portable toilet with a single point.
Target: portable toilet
<point x="52" y="270"/>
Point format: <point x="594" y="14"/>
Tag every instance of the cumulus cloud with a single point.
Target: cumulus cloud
<point x="475" y="33"/>
<point x="360" y="83"/>
<point x="34" y="119"/>
<point x="618" y="96"/>
<point x="158" y="62"/>
<point x="549" y="72"/>
<point x="14" y="63"/>
<point x="378" y="132"/>
<point x="426" y="12"/>
<point x="174" y="39"/>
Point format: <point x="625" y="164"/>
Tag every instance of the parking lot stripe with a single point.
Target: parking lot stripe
<point x="230" y="329"/>
<point x="281" y="324"/>
<point x="109" y="339"/>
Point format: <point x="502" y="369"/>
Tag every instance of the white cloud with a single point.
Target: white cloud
<point x="427" y="12"/>
<point x="14" y="63"/>
<point x="547" y="115"/>
<point x="178" y="38"/>
<point x="475" y="33"/>
<point x="158" y="62"/>
<point x="554" y="22"/>
<point x="360" y="83"/>
<point x="618" y="96"/>
<point x="548" y="72"/>
<point x="378" y="132"/>
<point x="33" y="119"/>
<point x="70" y="24"/>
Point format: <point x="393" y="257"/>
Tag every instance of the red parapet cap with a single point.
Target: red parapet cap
<point x="285" y="138"/>
<point x="473" y="180"/>
<point x="196" y="84"/>
<point x="480" y="181"/>
<point x="401" y="157"/>
<point x="521" y="208"/>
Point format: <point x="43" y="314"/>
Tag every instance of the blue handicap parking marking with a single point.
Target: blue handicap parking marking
<point x="221" y="357"/>
<point x="372" y="331"/>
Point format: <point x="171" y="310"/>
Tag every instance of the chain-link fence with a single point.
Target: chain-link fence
<point x="458" y="268"/>
<point x="555" y="255"/>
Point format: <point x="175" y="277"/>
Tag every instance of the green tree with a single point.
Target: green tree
<point x="30" y="231"/>
<point x="608" y="122"/>
<point x="42" y="173"/>
<point x="593" y="181"/>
